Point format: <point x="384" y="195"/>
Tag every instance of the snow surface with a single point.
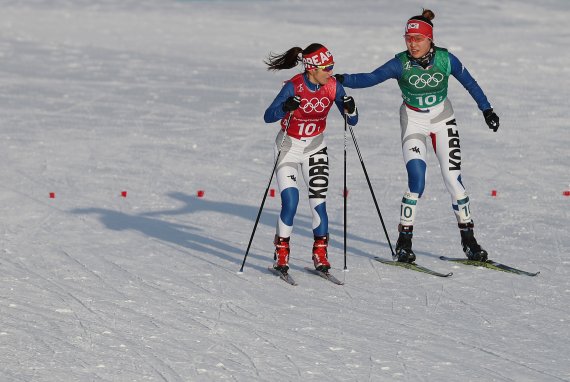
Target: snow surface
<point x="164" y="98"/>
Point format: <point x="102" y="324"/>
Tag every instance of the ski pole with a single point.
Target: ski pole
<point x="267" y="189"/>
<point x="371" y="190"/>
<point x="345" y="193"/>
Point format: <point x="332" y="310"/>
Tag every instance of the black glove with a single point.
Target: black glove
<point x="339" y="78"/>
<point x="291" y="104"/>
<point x="349" y="104"/>
<point x="492" y="119"/>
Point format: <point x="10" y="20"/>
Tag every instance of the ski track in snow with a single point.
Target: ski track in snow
<point x="164" y="98"/>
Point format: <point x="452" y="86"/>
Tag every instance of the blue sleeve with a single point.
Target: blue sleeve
<point x="275" y="111"/>
<point x="391" y="69"/>
<point x="340" y="93"/>
<point x="464" y="77"/>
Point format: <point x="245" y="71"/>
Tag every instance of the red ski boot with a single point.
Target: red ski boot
<point x="320" y="253"/>
<point x="281" y="255"/>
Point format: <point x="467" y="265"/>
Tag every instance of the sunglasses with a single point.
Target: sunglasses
<point x="324" y="68"/>
<point x="414" y="38"/>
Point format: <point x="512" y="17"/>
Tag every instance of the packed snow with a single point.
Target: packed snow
<point x="125" y="110"/>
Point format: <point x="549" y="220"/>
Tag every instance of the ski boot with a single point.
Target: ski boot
<point x="281" y="255"/>
<point x="404" y="244"/>
<point x="472" y="249"/>
<point x="320" y="253"/>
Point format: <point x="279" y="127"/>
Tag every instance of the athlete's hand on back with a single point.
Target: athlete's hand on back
<point x="492" y="119"/>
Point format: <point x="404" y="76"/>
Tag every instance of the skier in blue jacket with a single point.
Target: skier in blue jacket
<point x="422" y="72"/>
<point x="302" y="107"/>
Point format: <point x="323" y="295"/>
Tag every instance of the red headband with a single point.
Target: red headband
<point x="321" y="57"/>
<point x="415" y="26"/>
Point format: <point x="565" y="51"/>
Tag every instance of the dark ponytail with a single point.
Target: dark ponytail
<point x="427" y="16"/>
<point x="286" y="60"/>
<point x="290" y="58"/>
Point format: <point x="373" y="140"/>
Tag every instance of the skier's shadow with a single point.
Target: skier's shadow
<point x="193" y="238"/>
<point x="181" y="235"/>
<point x="303" y="222"/>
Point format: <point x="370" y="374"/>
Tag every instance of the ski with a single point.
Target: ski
<point x="285" y="276"/>
<point x="413" y="267"/>
<point x="490" y="264"/>
<point x="325" y="275"/>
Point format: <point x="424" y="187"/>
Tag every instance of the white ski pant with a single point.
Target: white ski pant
<point x="310" y="154"/>
<point x="438" y="124"/>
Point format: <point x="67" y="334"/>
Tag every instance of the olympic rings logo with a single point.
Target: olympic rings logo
<point x="426" y="79"/>
<point x="315" y="104"/>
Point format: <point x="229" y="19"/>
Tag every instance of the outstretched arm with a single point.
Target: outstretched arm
<point x="391" y="69"/>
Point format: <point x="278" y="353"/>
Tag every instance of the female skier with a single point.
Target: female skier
<point x="302" y="106"/>
<point x="422" y="72"/>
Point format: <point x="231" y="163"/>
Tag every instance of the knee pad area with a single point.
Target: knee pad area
<point x="323" y="221"/>
<point x="416" y="176"/>
<point x="289" y="203"/>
